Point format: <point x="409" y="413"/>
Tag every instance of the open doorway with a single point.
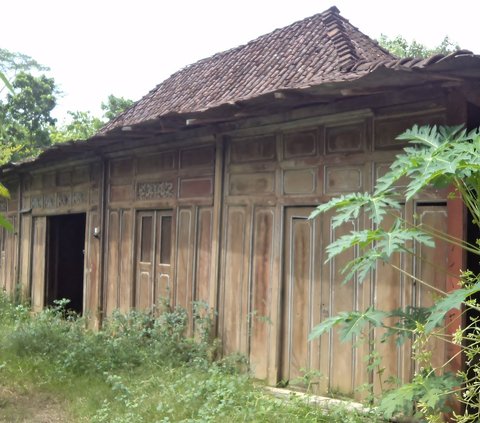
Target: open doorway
<point x="65" y="260"/>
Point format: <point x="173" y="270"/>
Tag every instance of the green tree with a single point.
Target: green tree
<point x="114" y="106"/>
<point x="80" y="126"/>
<point x="400" y="47"/>
<point x="25" y="116"/>
<point x="442" y="157"/>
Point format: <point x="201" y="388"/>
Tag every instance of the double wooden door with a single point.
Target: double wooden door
<point x="154" y="267"/>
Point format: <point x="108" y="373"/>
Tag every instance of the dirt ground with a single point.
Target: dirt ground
<point x="30" y="407"/>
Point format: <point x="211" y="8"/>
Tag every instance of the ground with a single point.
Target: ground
<point x="30" y="407"/>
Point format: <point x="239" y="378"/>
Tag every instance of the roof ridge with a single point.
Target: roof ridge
<point x="336" y="31"/>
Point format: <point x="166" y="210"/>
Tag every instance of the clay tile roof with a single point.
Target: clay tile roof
<point x="321" y="48"/>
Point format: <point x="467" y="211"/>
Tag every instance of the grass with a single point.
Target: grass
<point x="136" y="369"/>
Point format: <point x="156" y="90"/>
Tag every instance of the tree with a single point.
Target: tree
<point x="400" y="47"/>
<point x="82" y="125"/>
<point x="25" y="116"/>
<point x="11" y="63"/>
<point x="114" y="106"/>
<point x="442" y="157"/>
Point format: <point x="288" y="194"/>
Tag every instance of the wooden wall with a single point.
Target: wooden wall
<point x="275" y="285"/>
<point x="160" y="222"/>
<point x="225" y="221"/>
<point x="71" y="189"/>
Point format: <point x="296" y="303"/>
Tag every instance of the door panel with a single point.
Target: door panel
<point x="301" y="292"/>
<point x="153" y="257"/>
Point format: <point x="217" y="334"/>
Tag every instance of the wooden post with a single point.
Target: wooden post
<point x="216" y="225"/>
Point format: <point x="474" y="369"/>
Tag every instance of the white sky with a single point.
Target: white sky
<point x="100" y="47"/>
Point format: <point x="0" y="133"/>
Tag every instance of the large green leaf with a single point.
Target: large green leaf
<point x="351" y="323"/>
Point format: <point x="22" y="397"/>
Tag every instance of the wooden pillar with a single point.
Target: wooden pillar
<point x="216" y="224"/>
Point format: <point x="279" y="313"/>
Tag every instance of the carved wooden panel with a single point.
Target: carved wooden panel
<point x="260" y="308"/>
<point x="196" y="187"/>
<point x="346" y="138"/>
<point x="253" y="149"/>
<point x="339" y="179"/>
<point x="251" y="183"/>
<point x="147" y="191"/>
<point x="299" y="181"/>
<point x="300" y="144"/>
<point x="386" y="130"/>
<point x="197" y="157"/>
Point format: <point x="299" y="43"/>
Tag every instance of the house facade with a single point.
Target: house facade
<point x="202" y="191"/>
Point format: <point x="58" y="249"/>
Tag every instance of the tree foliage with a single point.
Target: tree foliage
<point x="114" y="106"/>
<point x="80" y="126"/>
<point x="439" y="157"/>
<point x="25" y="116"/>
<point x="400" y="47"/>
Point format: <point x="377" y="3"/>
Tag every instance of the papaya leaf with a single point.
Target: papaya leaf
<point x="452" y="300"/>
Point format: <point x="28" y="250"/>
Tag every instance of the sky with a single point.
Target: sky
<point x="99" y="47"/>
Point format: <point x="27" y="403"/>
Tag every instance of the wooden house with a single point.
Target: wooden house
<point x="202" y="189"/>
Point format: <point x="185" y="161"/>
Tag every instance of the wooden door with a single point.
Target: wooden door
<point x="301" y="292"/>
<point x="153" y="257"/>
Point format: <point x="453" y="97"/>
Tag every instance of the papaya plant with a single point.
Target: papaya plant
<point x="442" y="157"/>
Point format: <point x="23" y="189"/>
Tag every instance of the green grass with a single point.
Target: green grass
<point x="136" y="369"/>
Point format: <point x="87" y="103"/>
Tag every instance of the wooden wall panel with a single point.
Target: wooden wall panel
<point x="91" y="297"/>
<point x="387" y="129"/>
<point x="185" y="257"/>
<point x="390" y="293"/>
<point x="197" y="157"/>
<point x="300" y="144"/>
<point x="196" y="187"/>
<point x="261" y="285"/>
<point x="302" y="294"/>
<point x="11" y="254"/>
<point x="204" y="249"/>
<point x="125" y="300"/>
<point x="252" y="183"/>
<point x="155" y="163"/>
<point x="234" y="306"/>
<point x="343" y="179"/>
<point x="432" y="267"/>
<point x="38" y="262"/>
<point x="343" y="358"/>
<point x="253" y="149"/>
<point x="299" y="181"/>
<point x="112" y="258"/>
<point x="25" y="255"/>
<point x="346" y="138"/>
<point x="145" y="258"/>
<point x="3" y="258"/>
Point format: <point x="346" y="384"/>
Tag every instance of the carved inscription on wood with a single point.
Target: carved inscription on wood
<point x="61" y="199"/>
<point x="155" y="190"/>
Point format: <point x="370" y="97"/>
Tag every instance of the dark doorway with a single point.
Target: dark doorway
<point x="65" y="260"/>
